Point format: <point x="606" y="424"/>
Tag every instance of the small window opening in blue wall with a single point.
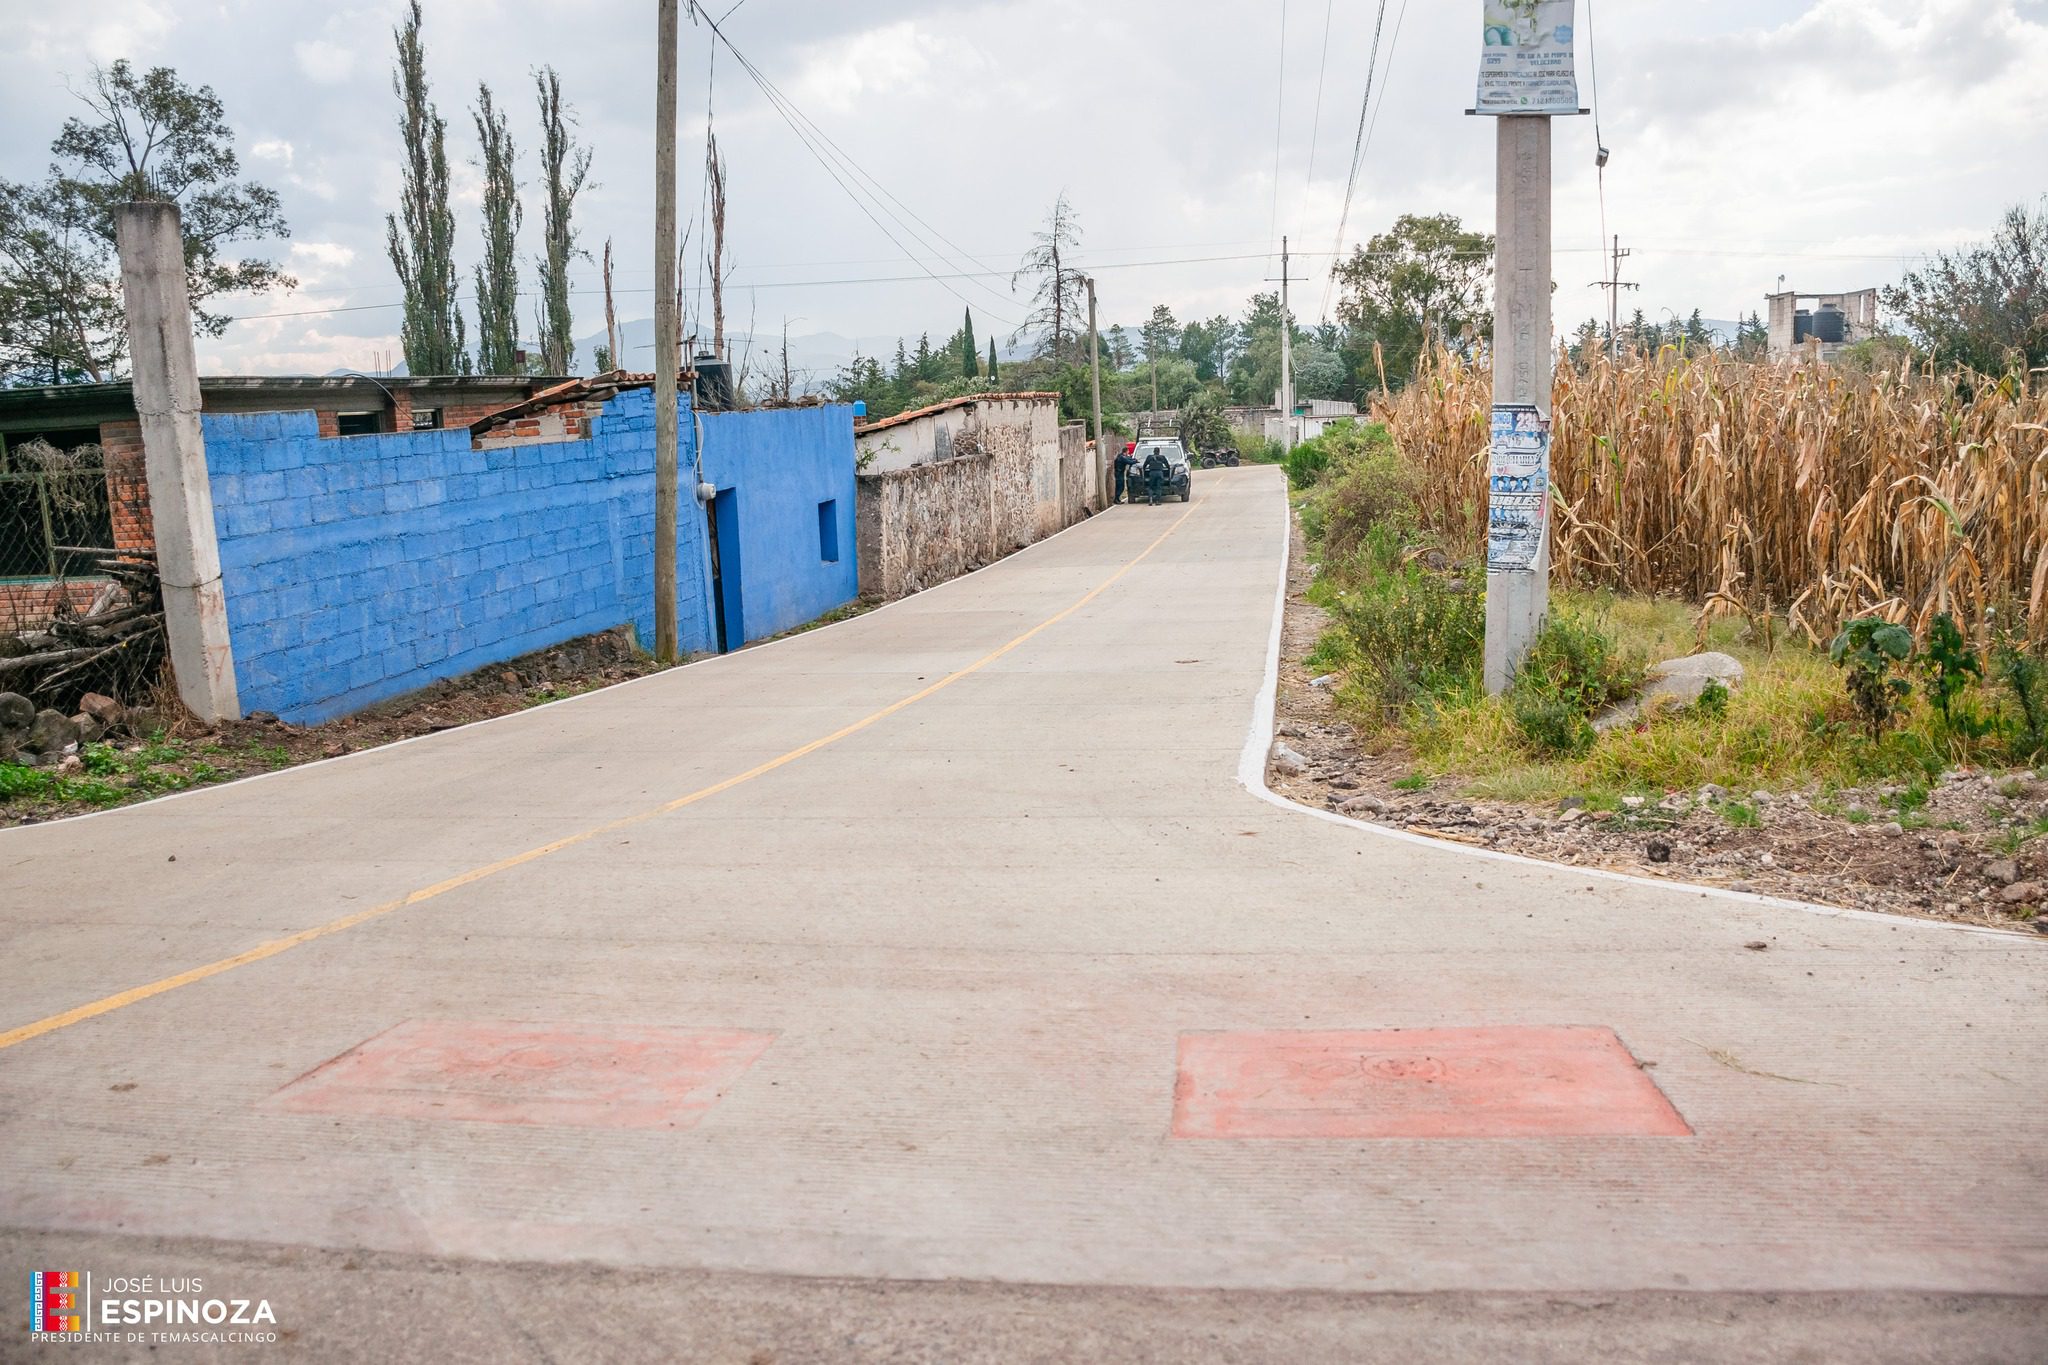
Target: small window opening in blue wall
<point x="828" y="530"/>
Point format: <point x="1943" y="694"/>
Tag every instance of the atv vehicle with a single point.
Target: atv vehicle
<point x="1223" y="457"/>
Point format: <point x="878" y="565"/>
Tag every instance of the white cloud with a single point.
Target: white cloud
<point x="324" y="62"/>
<point x="1822" y="139"/>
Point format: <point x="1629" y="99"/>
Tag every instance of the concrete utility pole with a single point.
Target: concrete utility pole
<point x="666" y="359"/>
<point x="1095" y="383"/>
<point x="1518" y="598"/>
<point x="1614" y="285"/>
<point x="1287" y="426"/>
<point x="166" y="384"/>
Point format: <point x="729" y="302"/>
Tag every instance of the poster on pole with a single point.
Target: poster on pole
<point x="1526" y="65"/>
<point x="1518" y="489"/>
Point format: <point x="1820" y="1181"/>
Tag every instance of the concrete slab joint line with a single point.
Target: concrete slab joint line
<point x="108" y="1004"/>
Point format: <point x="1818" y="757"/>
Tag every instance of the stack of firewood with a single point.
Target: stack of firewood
<point x="114" y="647"/>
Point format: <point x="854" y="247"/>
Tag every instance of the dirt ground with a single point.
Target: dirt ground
<point x="148" y="756"/>
<point x="1959" y="857"/>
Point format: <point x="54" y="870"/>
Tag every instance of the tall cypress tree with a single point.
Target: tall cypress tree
<point x="992" y="372"/>
<point x="421" y="236"/>
<point x="564" y="167"/>
<point x="497" y="279"/>
<point x="970" y="354"/>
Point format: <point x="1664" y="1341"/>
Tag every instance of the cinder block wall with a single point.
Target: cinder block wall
<point x="361" y="568"/>
<point x="792" y="472"/>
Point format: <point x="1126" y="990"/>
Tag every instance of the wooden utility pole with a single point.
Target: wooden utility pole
<point x="1095" y="383"/>
<point x="667" y="422"/>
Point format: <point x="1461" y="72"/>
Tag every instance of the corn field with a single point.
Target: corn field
<point x="1801" y="491"/>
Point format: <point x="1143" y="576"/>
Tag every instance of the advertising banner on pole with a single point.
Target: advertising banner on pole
<point x="1527" y="64"/>
<point x="1518" y="489"/>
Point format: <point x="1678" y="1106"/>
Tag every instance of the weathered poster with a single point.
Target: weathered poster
<point x="1518" y="489"/>
<point x="1526" y="66"/>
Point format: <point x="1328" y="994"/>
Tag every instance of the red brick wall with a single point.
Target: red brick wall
<point x="127" y="486"/>
<point x="562" y="422"/>
<point x="30" y="606"/>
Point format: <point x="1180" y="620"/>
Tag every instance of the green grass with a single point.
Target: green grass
<point x="1414" y="782"/>
<point x="112" y="776"/>
<point x="1788" y="726"/>
<point x="1741" y="815"/>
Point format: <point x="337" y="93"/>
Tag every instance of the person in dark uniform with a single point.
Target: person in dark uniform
<point x="1156" y="468"/>
<point x="1124" y="464"/>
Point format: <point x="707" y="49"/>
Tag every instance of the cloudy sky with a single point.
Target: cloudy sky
<point x="1829" y="141"/>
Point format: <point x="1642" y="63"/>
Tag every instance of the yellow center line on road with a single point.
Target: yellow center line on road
<point x="110" y="1003"/>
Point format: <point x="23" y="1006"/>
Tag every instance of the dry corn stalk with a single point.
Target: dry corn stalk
<point x="1731" y="485"/>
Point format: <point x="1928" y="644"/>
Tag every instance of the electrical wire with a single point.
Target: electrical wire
<point x="1368" y="119"/>
<point x="1279" y="124"/>
<point x="1315" y="128"/>
<point x="846" y="166"/>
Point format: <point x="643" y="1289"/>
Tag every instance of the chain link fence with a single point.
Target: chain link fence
<point x="77" y="614"/>
<point x="56" y="524"/>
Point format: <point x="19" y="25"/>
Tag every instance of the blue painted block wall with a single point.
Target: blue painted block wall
<point x="361" y="568"/>
<point x="781" y="466"/>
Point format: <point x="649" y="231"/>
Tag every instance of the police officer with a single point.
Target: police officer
<point x="1124" y="463"/>
<point x="1156" y="468"/>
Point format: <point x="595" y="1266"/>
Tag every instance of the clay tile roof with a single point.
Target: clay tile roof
<point x="574" y="391"/>
<point x="884" y="423"/>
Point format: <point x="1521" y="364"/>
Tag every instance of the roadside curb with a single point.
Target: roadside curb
<point x="1251" y="773"/>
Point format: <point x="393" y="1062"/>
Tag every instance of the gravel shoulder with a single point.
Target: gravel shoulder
<point x="1959" y="857"/>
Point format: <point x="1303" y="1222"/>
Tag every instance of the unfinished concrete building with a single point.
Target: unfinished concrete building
<point x="1822" y="322"/>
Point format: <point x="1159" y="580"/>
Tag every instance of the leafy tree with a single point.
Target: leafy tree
<point x="1255" y="368"/>
<point x="1117" y="348"/>
<point x="970" y="354"/>
<point x="1985" y="307"/>
<point x="497" y="279"/>
<point x="1162" y="333"/>
<point x="1752" y="338"/>
<point x="421" y="236"/>
<point x="1201" y="422"/>
<point x="1059" y="297"/>
<point x="1426" y="281"/>
<point x="1319" y="371"/>
<point x="564" y="169"/>
<point x="1210" y="345"/>
<point x="149" y="136"/>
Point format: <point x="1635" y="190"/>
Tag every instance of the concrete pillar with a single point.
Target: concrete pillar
<point x="174" y="457"/>
<point x="1518" y="601"/>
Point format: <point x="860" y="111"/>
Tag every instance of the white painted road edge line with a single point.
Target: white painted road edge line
<point x="1251" y="772"/>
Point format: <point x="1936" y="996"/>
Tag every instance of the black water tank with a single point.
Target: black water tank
<point x="1831" y="326"/>
<point x="714" y="384"/>
<point x="1802" y="326"/>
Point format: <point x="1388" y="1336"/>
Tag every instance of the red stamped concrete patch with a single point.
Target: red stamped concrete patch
<point x="1417" y="1083"/>
<point x="535" y="1074"/>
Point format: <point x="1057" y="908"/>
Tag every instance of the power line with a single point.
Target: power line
<point x="798" y="122"/>
<point x="1279" y="122"/>
<point x="1086" y="268"/>
<point x="1360" y="142"/>
<point x="1315" y="128"/>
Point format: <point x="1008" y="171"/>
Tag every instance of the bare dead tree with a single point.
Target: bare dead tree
<point x="611" y="316"/>
<point x="714" y="178"/>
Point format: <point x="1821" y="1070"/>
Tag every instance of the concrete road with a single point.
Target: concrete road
<point x="947" y="945"/>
